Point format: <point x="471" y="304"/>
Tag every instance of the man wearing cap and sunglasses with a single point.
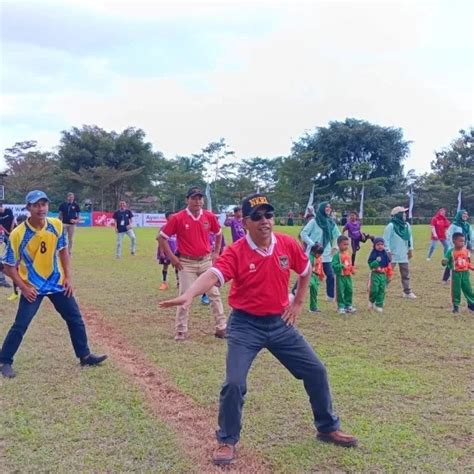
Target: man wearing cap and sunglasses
<point x="262" y="317"/>
<point x="399" y="246"/>
<point x="192" y="227"/>
<point x="31" y="261"/>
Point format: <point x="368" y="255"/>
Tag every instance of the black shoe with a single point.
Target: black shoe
<point x="93" y="359"/>
<point x="455" y="309"/>
<point x="7" y="371"/>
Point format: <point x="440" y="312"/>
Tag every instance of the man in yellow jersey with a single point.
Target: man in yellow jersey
<point x="31" y="261"/>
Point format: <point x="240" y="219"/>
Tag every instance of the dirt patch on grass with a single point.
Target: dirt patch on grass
<point x="194" y="425"/>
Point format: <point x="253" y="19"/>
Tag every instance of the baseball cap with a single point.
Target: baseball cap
<point x="253" y="202"/>
<point x="35" y="196"/>
<point x="398" y="209"/>
<point x="194" y="191"/>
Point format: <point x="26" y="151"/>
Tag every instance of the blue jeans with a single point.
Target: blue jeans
<point x="66" y="307"/>
<point x="247" y="335"/>
<point x="327" y="269"/>
<point x="433" y="245"/>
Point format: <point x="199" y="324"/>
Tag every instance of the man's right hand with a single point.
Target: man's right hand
<point x="29" y="293"/>
<point x="176" y="263"/>
<point x="183" y="300"/>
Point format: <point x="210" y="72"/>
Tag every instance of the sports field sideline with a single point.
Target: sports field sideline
<point x="400" y="380"/>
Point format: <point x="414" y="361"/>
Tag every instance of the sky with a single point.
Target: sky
<point x="259" y="74"/>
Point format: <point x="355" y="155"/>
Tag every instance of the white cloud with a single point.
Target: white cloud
<point x="325" y="62"/>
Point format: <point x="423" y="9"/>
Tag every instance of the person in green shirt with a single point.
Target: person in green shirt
<point x="343" y="269"/>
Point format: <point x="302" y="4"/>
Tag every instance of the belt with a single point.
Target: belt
<point x="193" y="257"/>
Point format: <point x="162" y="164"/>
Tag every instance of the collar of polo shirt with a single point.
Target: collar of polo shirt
<point x="265" y="253"/>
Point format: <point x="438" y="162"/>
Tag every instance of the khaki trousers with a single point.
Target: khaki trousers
<point x="405" y="274"/>
<point x="190" y="272"/>
<point x="70" y="228"/>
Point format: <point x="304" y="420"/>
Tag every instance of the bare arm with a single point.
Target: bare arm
<point x="202" y="285"/>
<point x="217" y="247"/>
<point x="27" y="291"/>
<point x="165" y="246"/>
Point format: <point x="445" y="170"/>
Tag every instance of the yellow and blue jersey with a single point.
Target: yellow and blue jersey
<point x="35" y="253"/>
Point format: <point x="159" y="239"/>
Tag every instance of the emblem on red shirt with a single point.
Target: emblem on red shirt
<point x="284" y="264"/>
<point x="252" y="267"/>
<point x="206" y="224"/>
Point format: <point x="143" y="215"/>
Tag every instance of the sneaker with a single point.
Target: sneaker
<point x="410" y="296"/>
<point x="224" y="454"/>
<point x="338" y="438"/>
<point x="378" y="309"/>
<point x="370" y="306"/>
<point x="329" y="299"/>
<point x="456" y="309"/>
<point x="341" y="310"/>
<point x="351" y="310"/>
<point x="428" y="259"/>
<point x="163" y="286"/>
<point x="445" y="282"/>
<point x="470" y="309"/>
<point x="205" y="299"/>
<point x="180" y="336"/>
<point x="7" y="371"/>
<point x="13" y="297"/>
<point x="93" y="359"/>
<point x="5" y="284"/>
<point x="317" y="310"/>
<point x="220" y="333"/>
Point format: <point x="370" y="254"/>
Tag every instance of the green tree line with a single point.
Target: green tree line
<point x="102" y="167"/>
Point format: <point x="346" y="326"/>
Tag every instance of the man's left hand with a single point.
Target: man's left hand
<point x="291" y="313"/>
<point x="68" y="289"/>
<point x="410" y="254"/>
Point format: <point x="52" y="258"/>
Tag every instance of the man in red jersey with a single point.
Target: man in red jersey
<point x="259" y="266"/>
<point x="192" y="227"/>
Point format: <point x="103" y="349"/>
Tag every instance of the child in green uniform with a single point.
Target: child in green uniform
<point x="316" y="275"/>
<point x="343" y="268"/>
<point x="381" y="273"/>
<point x="458" y="260"/>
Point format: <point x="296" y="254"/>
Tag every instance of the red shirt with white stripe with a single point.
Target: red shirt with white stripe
<point x="192" y="232"/>
<point x="260" y="277"/>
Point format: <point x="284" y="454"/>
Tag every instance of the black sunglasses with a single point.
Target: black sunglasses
<point x="258" y="216"/>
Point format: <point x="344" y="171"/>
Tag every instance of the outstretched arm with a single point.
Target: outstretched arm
<point x="202" y="285"/>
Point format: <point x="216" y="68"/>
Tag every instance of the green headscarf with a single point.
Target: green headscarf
<point x="325" y="223"/>
<point x="400" y="226"/>
<point x="465" y="226"/>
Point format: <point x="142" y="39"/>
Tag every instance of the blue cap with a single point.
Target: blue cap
<point x="35" y="196"/>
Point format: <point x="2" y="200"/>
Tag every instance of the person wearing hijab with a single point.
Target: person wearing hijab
<point x="323" y="230"/>
<point x="399" y="246"/>
<point x="460" y="225"/>
<point x="439" y="225"/>
<point x="381" y="273"/>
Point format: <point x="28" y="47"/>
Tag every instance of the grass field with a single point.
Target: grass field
<point x="400" y="381"/>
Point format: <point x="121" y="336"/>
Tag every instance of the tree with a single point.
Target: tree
<point x="352" y="153"/>
<point x="28" y="169"/>
<point x="108" y="164"/>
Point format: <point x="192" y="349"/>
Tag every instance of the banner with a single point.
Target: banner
<point x="411" y="203"/>
<point x="310" y="201"/>
<point x="459" y="201"/>
<point x="102" y="219"/>
<point x="17" y="209"/>
<point x="208" y="197"/>
<point x="361" y="208"/>
<point x="154" y="220"/>
<point x="137" y="219"/>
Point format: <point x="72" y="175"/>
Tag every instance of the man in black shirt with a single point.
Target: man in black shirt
<point x="69" y="214"/>
<point x="123" y="225"/>
<point x="6" y="226"/>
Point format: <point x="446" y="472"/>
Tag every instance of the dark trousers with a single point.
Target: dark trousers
<point x="327" y="269"/>
<point x="66" y="307"/>
<point x="247" y="335"/>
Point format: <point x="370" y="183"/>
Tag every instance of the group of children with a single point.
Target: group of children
<point x="343" y="266"/>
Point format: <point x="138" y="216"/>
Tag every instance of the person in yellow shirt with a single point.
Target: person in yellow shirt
<point x="38" y="262"/>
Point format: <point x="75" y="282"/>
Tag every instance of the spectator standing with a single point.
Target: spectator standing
<point x="123" y="219"/>
<point x="69" y="214"/>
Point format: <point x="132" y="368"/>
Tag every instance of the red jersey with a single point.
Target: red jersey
<point x="192" y="232"/>
<point x="440" y="224"/>
<point x="346" y="261"/>
<point x="260" y="278"/>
